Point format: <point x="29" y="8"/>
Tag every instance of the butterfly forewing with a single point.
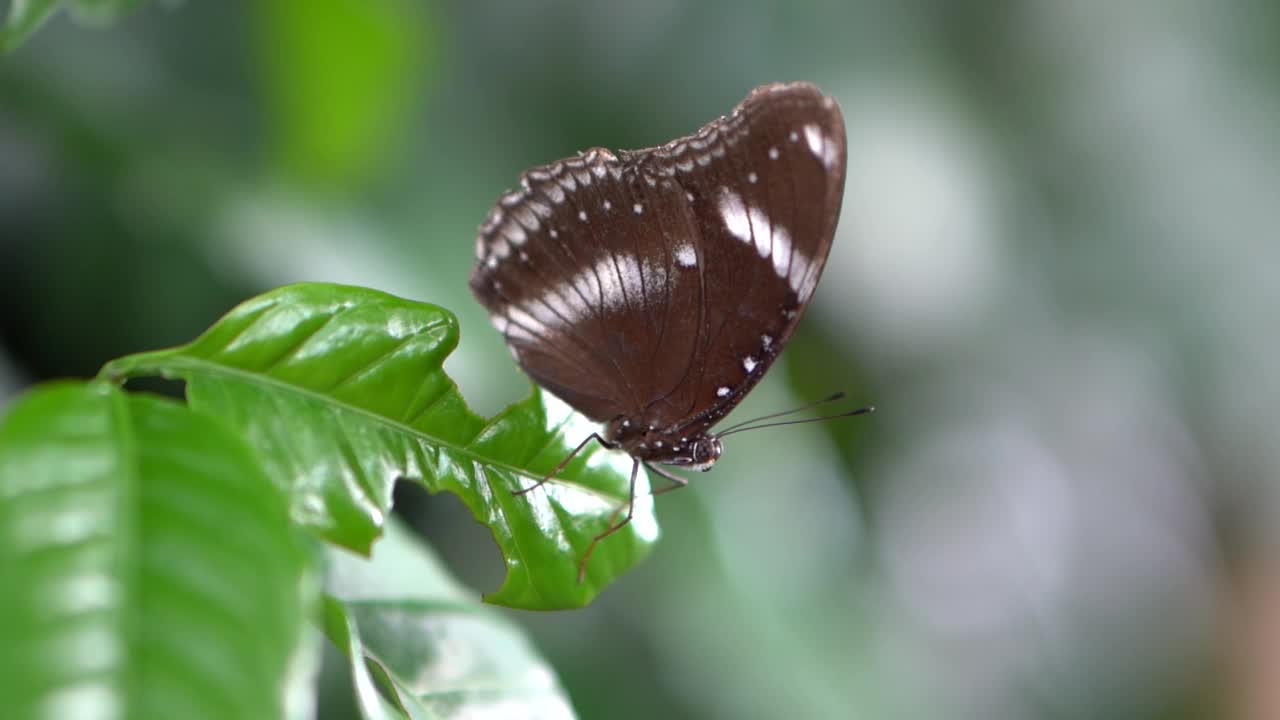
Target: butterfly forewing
<point x="659" y="285"/>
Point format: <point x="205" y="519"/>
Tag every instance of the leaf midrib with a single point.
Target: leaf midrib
<point x="198" y="363"/>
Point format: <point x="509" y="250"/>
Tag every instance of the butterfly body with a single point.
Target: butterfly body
<point x="691" y="449"/>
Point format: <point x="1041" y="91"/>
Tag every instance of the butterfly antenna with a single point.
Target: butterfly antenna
<point x="860" y="411"/>
<point x="830" y="398"/>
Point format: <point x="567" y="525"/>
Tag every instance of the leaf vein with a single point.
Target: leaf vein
<point x="382" y="356"/>
<point x="297" y="348"/>
<point x="209" y="366"/>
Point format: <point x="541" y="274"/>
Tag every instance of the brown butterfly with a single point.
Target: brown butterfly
<point x="652" y="289"/>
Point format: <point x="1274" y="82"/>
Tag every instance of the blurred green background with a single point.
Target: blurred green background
<point x="1055" y="275"/>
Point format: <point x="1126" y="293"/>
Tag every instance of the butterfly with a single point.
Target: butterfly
<point x="652" y="289"/>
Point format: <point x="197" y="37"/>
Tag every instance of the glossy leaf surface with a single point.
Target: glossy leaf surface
<point x="439" y="652"/>
<point x="148" y="567"/>
<point x="341" y="390"/>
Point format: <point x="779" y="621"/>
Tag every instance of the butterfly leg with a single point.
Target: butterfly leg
<point x="631" y="508"/>
<point x="564" y="462"/>
<point x="676" y="481"/>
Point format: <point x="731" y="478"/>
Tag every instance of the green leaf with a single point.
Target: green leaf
<point x="342" y="630"/>
<point x="440" y="654"/>
<point x="25" y="17"/>
<point x="341" y="389"/>
<point x="148" y="567"/>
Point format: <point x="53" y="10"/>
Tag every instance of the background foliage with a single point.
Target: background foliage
<point x="1054" y="277"/>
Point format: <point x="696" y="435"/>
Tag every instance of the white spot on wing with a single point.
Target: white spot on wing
<point x="749" y="363"/>
<point x="686" y="256"/>
<point x="831" y="155"/>
<point x="515" y="331"/>
<point x="537" y="318"/>
<point x="815" y="139"/>
<point x="762" y="229"/>
<point x="781" y="251"/>
<point x="773" y="153"/>
<point x="526" y="218"/>
<point x="541" y="209"/>
<point x="515" y="234"/>
<point x="619" y="279"/>
<point x="752" y="177"/>
<point x="821" y="146"/>
<point x="722" y="391"/>
<point x="766" y="341"/>
<point x="608" y="205"/>
<point x="587" y="286"/>
<point x="638" y="208"/>
<point x="563" y="311"/>
<point x="735" y="215"/>
<point x="795" y="274"/>
<point x="582" y="215"/>
<point x="524" y="320"/>
<point x="632" y="280"/>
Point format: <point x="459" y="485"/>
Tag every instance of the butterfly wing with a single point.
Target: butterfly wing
<point x="662" y="284"/>
<point x="587" y="290"/>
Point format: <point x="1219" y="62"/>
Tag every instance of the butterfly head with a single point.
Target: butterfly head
<point x="704" y="453"/>
<point x="698" y="452"/>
